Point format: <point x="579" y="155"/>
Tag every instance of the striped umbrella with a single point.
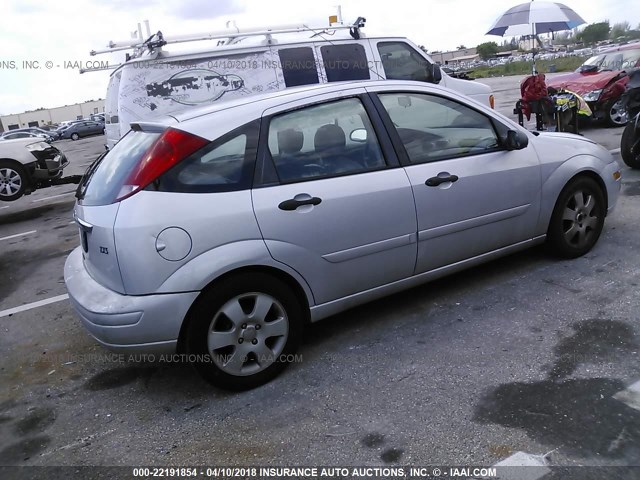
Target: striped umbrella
<point x="534" y="18"/>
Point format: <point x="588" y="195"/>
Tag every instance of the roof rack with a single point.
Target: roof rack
<point x="99" y="69"/>
<point x="225" y="37"/>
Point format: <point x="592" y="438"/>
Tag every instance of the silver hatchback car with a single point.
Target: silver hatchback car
<point x="220" y="233"/>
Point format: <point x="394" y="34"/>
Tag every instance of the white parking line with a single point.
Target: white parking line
<point x="614" y="151"/>
<point x="630" y="396"/>
<point x="29" y="306"/>
<point x="18" y="235"/>
<point x="53" y="196"/>
<point x="2" y="208"/>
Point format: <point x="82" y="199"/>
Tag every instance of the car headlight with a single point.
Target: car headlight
<point x="593" y="95"/>
<point x="38" y="146"/>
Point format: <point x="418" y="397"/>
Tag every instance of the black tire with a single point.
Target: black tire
<point x="206" y="315"/>
<point x="12" y="173"/>
<point x="575" y="236"/>
<point x="629" y="137"/>
<point x="75" y="136"/>
<point x="615" y="114"/>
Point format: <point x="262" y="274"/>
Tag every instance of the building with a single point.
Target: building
<point x="51" y="116"/>
<point x="456" y="56"/>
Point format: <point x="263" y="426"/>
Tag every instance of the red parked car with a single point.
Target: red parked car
<point x="601" y="81"/>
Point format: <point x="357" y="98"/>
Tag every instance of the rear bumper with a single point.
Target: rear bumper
<point x="125" y="323"/>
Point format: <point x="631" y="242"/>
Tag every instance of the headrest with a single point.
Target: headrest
<point x="329" y="136"/>
<point x="290" y="141"/>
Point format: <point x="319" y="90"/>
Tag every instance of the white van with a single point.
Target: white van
<point x="154" y="82"/>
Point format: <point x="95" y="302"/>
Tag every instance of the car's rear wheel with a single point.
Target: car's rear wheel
<point x="616" y="113"/>
<point x="577" y="219"/>
<point x="630" y="146"/>
<point x="244" y="331"/>
<point x="75" y="136"/>
<point x="13" y="180"/>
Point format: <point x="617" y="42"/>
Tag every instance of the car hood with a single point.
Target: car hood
<point x="582" y="83"/>
<point x="23" y="141"/>
<point x="563" y="146"/>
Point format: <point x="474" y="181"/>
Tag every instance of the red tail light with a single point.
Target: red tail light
<point x="169" y="149"/>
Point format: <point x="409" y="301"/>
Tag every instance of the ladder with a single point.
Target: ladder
<point x="158" y="40"/>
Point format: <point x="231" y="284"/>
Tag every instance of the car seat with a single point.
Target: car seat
<point x="289" y="163"/>
<point x="330" y="144"/>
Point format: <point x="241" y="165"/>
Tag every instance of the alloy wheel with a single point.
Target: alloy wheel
<point x="618" y="114"/>
<point x="247" y="334"/>
<point x="580" y="219"/>
<point x="10" y="182"/>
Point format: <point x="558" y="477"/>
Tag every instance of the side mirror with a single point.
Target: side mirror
<point x="516" y="140"/>
<point x="359" y="135"/>
<point x="588" y="68"/>
<point x="436" y="73"/>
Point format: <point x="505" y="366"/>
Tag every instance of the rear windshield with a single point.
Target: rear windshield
<point x="104" y="179"/>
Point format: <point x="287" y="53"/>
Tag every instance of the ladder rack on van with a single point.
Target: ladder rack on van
<point x="102" y="68"/>
<point x="158" y="40"/>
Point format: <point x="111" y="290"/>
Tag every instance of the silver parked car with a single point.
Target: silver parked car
<point x="83" y="128"/>
<point x="222" y="232"/>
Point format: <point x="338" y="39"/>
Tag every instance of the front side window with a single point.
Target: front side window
<point x="433" y="128"/>
<point x="402" y="62"/>
<point x="345" y="62"/>
<point x="324" y="140"/>
<point x="222" y="166"/>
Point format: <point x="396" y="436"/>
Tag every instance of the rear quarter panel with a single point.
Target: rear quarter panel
<point x="223" y="230"/>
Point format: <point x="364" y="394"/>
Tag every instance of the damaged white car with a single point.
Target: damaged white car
<point x="26" y="165"/>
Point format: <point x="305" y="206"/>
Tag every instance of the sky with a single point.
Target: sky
<point x="63" y="32"/>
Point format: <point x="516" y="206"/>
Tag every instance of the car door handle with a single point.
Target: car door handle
<point x="435" y="181"/>
<point x="292" y="203"/>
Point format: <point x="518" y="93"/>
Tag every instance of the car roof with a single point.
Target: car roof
<point x="263" y="101"/>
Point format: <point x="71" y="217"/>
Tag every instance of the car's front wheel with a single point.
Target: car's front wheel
<point x="13" y="180"/>
<point x="244" y="331"/>
<point x="616" y="113"/>
<point x="75" y="136"/>
<point x="577" y="219"/>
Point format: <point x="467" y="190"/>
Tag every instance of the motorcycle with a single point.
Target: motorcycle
<point x="630" y="144"/>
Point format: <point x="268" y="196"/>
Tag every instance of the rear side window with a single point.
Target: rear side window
<point x="104" y="179"/>
<point x="325" y="140"/>
<point x="345" y="62"/>
<point x="402" y="62"/>
<point x="222" y="166"/>
<point x="298" y="66"/>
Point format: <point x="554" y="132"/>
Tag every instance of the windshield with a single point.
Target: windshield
<point x="622" y="60"/>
